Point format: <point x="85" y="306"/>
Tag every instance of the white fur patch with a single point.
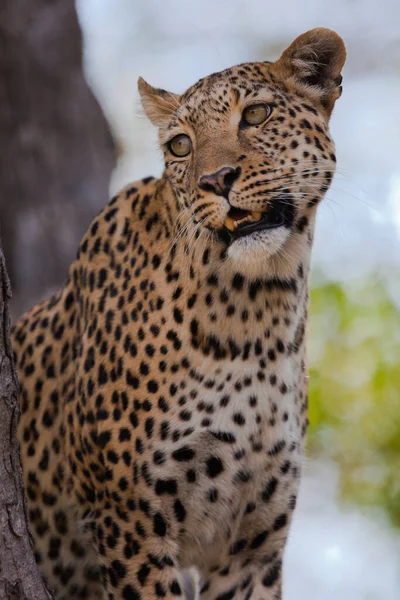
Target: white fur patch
<point x="252" y="252"/>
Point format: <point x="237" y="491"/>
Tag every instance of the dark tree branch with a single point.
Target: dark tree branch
<point x="56" y="151"/>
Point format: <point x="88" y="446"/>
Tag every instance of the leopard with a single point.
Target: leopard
<point x="164" y="387"/>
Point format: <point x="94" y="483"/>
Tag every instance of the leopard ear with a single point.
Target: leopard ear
<point x="314" y="61"/>
<point x="159" y="105"/>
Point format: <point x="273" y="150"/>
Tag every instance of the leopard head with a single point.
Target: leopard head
<point x="248" y="151"/>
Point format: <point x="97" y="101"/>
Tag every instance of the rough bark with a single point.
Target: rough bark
<point x="19" y="576"/>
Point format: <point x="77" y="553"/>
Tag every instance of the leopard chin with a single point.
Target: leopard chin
<point x="254" y="250"/>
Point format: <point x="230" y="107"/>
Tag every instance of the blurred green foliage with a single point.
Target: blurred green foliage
<point x="354" y="363"/>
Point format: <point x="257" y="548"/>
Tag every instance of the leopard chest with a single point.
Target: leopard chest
<point x="236" y="457"/>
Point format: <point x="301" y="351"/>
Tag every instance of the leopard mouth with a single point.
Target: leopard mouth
<point x="240" y="222"/>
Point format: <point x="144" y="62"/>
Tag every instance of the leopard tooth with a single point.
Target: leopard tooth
<point x="230" y="224"/>
<point x="256" y="216"/>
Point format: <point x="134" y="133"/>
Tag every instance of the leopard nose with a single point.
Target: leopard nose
<point x="220" y="182"/>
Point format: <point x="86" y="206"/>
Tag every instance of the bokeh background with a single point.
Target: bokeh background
<point x="58" y="166"/>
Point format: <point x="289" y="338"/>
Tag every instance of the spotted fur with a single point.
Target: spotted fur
<point x="164" y="388"/>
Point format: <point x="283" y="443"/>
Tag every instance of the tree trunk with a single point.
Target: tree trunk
<point x="56" y="153"/>
<point x="19" y="575"/>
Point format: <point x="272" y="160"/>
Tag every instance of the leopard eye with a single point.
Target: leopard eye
<point x="256" y="114"/>
<point x="180" y="145"/>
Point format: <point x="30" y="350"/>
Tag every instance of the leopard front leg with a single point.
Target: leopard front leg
<point x="245" y="582"/>
<point x="137" y="554"/>
<point x="252" y="567"/>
